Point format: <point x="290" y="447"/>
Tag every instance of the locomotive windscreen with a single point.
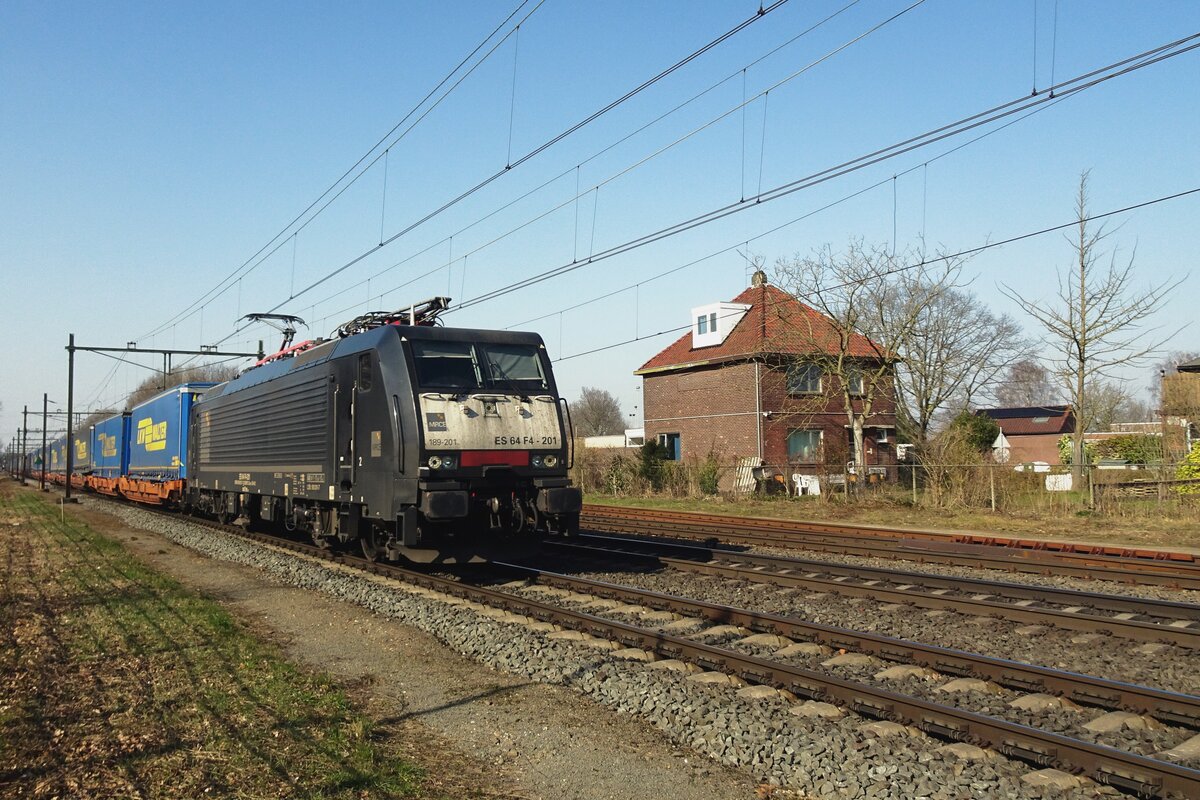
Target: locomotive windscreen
<point x="468" y="366"/>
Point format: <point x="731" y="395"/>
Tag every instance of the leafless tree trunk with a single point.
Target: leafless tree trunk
<point x="957" y="350"/>
<point x="1096" y="323"/>
<point x="870" y="305"/>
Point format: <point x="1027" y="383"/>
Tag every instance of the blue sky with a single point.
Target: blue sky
<point x="148" y="150"/>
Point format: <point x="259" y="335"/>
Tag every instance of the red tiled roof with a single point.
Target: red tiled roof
<point x="775" y="323"/>
<point x="1032" y="420"/>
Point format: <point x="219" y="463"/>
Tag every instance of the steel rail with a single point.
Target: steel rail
<point x="1120" y="604"/>
<point x="1049" y="546"/>
<point x="1171" y="707"/>
<point x="872" y="543"/>
<point x="1145" y="776"/>
<point x="1126" y="629"/>
<point x="1129" y="771"/>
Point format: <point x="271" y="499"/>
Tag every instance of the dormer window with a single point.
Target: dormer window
<point x="705" y="330"/>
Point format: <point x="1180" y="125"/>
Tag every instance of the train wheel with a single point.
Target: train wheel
<point x="374" y="542"/>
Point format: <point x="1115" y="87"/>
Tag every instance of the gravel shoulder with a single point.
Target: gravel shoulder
<point x="519" y="738"/>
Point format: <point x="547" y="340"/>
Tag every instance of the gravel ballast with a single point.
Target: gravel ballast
<point x="842" y="757"/>
<point x="1163" y="667"/>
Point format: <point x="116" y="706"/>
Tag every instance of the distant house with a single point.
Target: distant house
<point x="1033" y="432"/>
<point x="737" y="384"/>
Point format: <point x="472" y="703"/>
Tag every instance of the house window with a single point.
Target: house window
<point x="804" y="447"/>
<point x="672" y="444"/>
<point x="854" y="381"/>
<point x="712" y="322"/>
<point x="804" y="379"/>
<point x="702" y="324"/>
<point x="1040" y="420"/>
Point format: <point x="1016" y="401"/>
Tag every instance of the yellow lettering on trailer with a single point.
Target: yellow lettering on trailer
<point x="152" y="435"/>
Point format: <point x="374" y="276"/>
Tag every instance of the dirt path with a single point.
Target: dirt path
<point x="520" y="739"/>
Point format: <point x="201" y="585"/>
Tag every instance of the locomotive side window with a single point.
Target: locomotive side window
<point x="446" y="365"/>
<point x="364" y="372"/>
<point x="514" y="362"/>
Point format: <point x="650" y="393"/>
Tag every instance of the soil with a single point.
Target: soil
<point x="490" y="731"/>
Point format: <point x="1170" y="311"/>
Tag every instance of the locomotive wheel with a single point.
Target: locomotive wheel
<point x="374" y="542"/>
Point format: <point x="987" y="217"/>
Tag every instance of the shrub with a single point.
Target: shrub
<point x="709" y="474"/>
<point x="1066" y="451"/>
<point x="651" y="464"/>
<point x="976" y="430"/>
<point x="1189" y="470"/>
<point x="1135" y="448"/>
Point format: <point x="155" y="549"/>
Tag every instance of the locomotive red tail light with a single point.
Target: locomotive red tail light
<point x="495" y="458"/>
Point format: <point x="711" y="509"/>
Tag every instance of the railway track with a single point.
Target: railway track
<point x="1126" y="565"/>
<point x="1117" y="615"/>
<point x="1131" y="772"/>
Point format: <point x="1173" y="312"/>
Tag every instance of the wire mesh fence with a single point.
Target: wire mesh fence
<point x="1037" y="488"/>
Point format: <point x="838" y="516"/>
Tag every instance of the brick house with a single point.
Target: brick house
<point x="738" y="384"/>
<point x="1033" y="433"/>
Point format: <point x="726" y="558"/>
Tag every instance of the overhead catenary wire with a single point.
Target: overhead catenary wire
<point x="637" y="164"/>
<point x="1069" y="87"/>
<point x="539" y="149"/>
<point x="357" y="163"/>
<point x="918" y="264"/>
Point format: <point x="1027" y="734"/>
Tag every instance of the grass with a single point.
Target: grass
<point x="1140" y="522"/>
<point x="119" y="682"/>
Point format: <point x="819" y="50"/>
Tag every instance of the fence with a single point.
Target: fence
<point x="997" y="487"/>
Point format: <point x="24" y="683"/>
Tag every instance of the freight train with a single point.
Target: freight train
<point x="418" y="441"/>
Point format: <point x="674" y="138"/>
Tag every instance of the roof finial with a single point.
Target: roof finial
<point x="759" y="278"/>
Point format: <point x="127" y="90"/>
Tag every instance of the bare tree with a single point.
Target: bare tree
<point x="1026" y="383"/>
<point x="159" y="382"/>
<point x="956" y="351"/>
<point x="1096" y="323"/>
<point x="1112" y="402"/>
<point x="870" y="305"/>
<point x="597" y="413"/>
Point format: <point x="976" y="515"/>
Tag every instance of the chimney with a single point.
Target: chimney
<point x="758" y="279"/>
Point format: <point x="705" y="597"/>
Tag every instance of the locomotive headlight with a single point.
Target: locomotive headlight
<point x="435" y="462"/>
<point x="447" y="462"/>
<point x="537" y="462"/>
<point x="550" y="461"/>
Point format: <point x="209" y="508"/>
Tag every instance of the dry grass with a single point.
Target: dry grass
<point x="1139" y="523"/>
<point x="118" y="682"/>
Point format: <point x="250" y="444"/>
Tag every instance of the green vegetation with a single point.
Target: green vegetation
<point x="1189" y="470"/>
<point x="1135" y="448"/>
<point x="119" y="682"/>
<point x="978" y="431"/>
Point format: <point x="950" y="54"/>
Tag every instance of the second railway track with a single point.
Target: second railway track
<point x="1118" y="615"/>
<point x="1011" y="554"/>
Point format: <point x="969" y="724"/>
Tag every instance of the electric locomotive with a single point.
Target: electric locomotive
<point x="419" y="441"/>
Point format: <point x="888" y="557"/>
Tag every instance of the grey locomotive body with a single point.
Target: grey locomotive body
<point x="411" y="438"/>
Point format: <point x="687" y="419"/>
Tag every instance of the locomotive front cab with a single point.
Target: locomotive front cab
<point x="494" y="435"/>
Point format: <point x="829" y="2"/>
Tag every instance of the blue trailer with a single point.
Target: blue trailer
<point x="110" y="453"/>
<point x="158" y="445"/>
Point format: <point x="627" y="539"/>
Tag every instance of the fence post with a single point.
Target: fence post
<point x="913" y="470"/>
<point x="992" y="483"/>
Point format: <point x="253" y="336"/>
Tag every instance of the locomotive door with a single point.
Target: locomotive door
<point x="343" y="426"/>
